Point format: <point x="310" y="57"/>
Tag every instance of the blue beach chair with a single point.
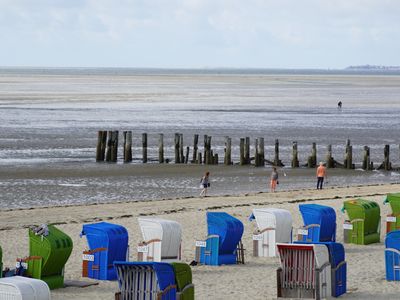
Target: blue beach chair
<point x="392" y="255"/>
<point x="107" y="243"/>
<point x="224" y="235"/>
<point x="145" y="280"/>
<point x="319" y="223"/>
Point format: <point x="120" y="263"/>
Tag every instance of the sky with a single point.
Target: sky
<point x="325" y="34"/>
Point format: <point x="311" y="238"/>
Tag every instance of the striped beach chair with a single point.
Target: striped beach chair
<point x="145" y="280"/>
<point x="305" y="271"/>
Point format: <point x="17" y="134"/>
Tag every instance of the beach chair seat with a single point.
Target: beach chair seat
<point x="145" y="281"/>
<point x="162" y="240"/>
<point x="23" y="288"/>
<point x="305" y="271"/>
<point x="183" y="279"/>
<point x="363" y="228"/>
<point x="319" y="223"/>
<point x="224" y="236"/>
<point x="107" y="243"/>
<point x="48" y="256"/>
<point x="274" y="225"/>
<point x="393" y="219"/>
<point x="392" y="255"/>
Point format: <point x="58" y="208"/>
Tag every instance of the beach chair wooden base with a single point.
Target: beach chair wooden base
<point x="240" y="253"/>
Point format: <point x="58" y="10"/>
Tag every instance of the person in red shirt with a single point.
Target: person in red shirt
<point x="321" y="174"/>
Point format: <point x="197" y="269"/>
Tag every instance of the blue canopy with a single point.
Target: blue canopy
<point x="393" y="240"/>
<point x="114" y="237"/>
<point x="228" y="228"/>
<point x="323" y="215"/>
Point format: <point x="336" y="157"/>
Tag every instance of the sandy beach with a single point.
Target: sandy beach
<point x="254" y="280"/>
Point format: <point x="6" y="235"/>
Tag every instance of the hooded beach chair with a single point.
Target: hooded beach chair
<point x="393" y="219"/>
<point x="107" y="243"/>
<point x="23" y="288"/>
<point x="162" y="240"/>
<point x="319" y="223"/>
<point x="305" y="271"/>
<point x="224" y="236"/>
<point x="392" y="255"/>
<point x="363" y="228"/>
<point x="1" y="262"/>
<point x="274" y="225"/>
<point x="48" y="256"/>
<point x="154" y="280"/>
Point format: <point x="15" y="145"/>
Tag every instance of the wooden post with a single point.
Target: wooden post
<point x="144" y="147"/>
<point x="366" y="161"/>
<point x="312" y="159"/>
<point x="247" y="151"/>
<point x="181" y="148"/>
<point x="228" y="151"/>
<point x="205" y="149"/>
<point x="208" y="153"/>
<point x="330" y="162"/>
<point x="199" y="158"/>
<point x="195" y="142"/>
<point x="348" y="158"/>
<point x="277" y="161"/>
<point x="242" y="157"/>
<point x="295" y="157"/>
<point x="256" y="157"/>
<point x="187" y="155"/>
<point x="114" y="146"/>
<point x="261" y="151"/>
<point x="108" y="150"/>
<point x="101" y="145"/>
<point x="177" y="154"/>
<point x="386" y="161"/>
<point x="215" y="159"/>
<point x="127" y="146"/>
<point x="161" y="148"/>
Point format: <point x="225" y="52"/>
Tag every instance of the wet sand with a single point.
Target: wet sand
<point x="254" y="280"/>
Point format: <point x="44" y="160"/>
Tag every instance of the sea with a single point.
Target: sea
<point x="49" y="119"/>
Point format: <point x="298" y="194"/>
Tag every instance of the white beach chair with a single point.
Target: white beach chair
<point x="274" y="225"/>
<point x="23" y="288"/>
<point x="162" y="240"/>
<point x="305" y="271"/>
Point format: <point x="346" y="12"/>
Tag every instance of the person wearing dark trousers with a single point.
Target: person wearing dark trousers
<point x="321" y="175"/>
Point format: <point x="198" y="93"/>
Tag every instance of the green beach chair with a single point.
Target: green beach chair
<point x="48" y="256"/>
<point x="183" y="278"/>
<point x="363" y="228"/>
<point x="393" y="220"/>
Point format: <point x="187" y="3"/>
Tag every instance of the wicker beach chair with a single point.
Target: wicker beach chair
<point x="107" y="243"/>
<point x="274" y="225"/>
<point x="392" y="255"/>
<point x="364" y="225"/>
<point x="305" y="271"/>
<point x="319" y="223"/>
<point x="48" y="256"/>
<point x="393" y="219"/>
<point x="23" y="288"/>
<point x="223" y="244"/>
<point x="162" y="240"/>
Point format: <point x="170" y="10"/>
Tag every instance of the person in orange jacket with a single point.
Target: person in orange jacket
<point x="321" y="175"/>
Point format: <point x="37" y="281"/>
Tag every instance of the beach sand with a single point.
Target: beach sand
<point x="254" y="280"/>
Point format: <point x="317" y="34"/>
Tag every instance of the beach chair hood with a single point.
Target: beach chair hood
<point x="228" y="228"/>
<point x="366" y="210"/>
<point x="279" y="219"/>
<point x="394" y="201"/>
<point x="323" y="215"/>
<point x="169" y="232"/>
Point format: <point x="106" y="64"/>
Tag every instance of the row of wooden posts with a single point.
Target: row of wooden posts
<point x="107" y="150"/>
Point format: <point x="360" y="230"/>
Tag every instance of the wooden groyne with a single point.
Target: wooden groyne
<point x="107" y="150"/>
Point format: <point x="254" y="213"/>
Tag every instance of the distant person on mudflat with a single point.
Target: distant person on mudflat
<point x="274" y="180"/>
<point x="205" y="184"/>
<point x="321" y="175"/>
<point x="339" y="105"/>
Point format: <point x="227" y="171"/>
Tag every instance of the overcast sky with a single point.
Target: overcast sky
<point x="199" y="33"/>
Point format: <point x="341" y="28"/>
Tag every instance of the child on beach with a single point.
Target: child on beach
<point x="274" y="180"/>
<point x="205" y="184"/>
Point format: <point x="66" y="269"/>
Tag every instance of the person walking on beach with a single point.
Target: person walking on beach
<point x="274" y="180"/>
<point x="205" y="184"/>
<point x="321" y="174"/>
